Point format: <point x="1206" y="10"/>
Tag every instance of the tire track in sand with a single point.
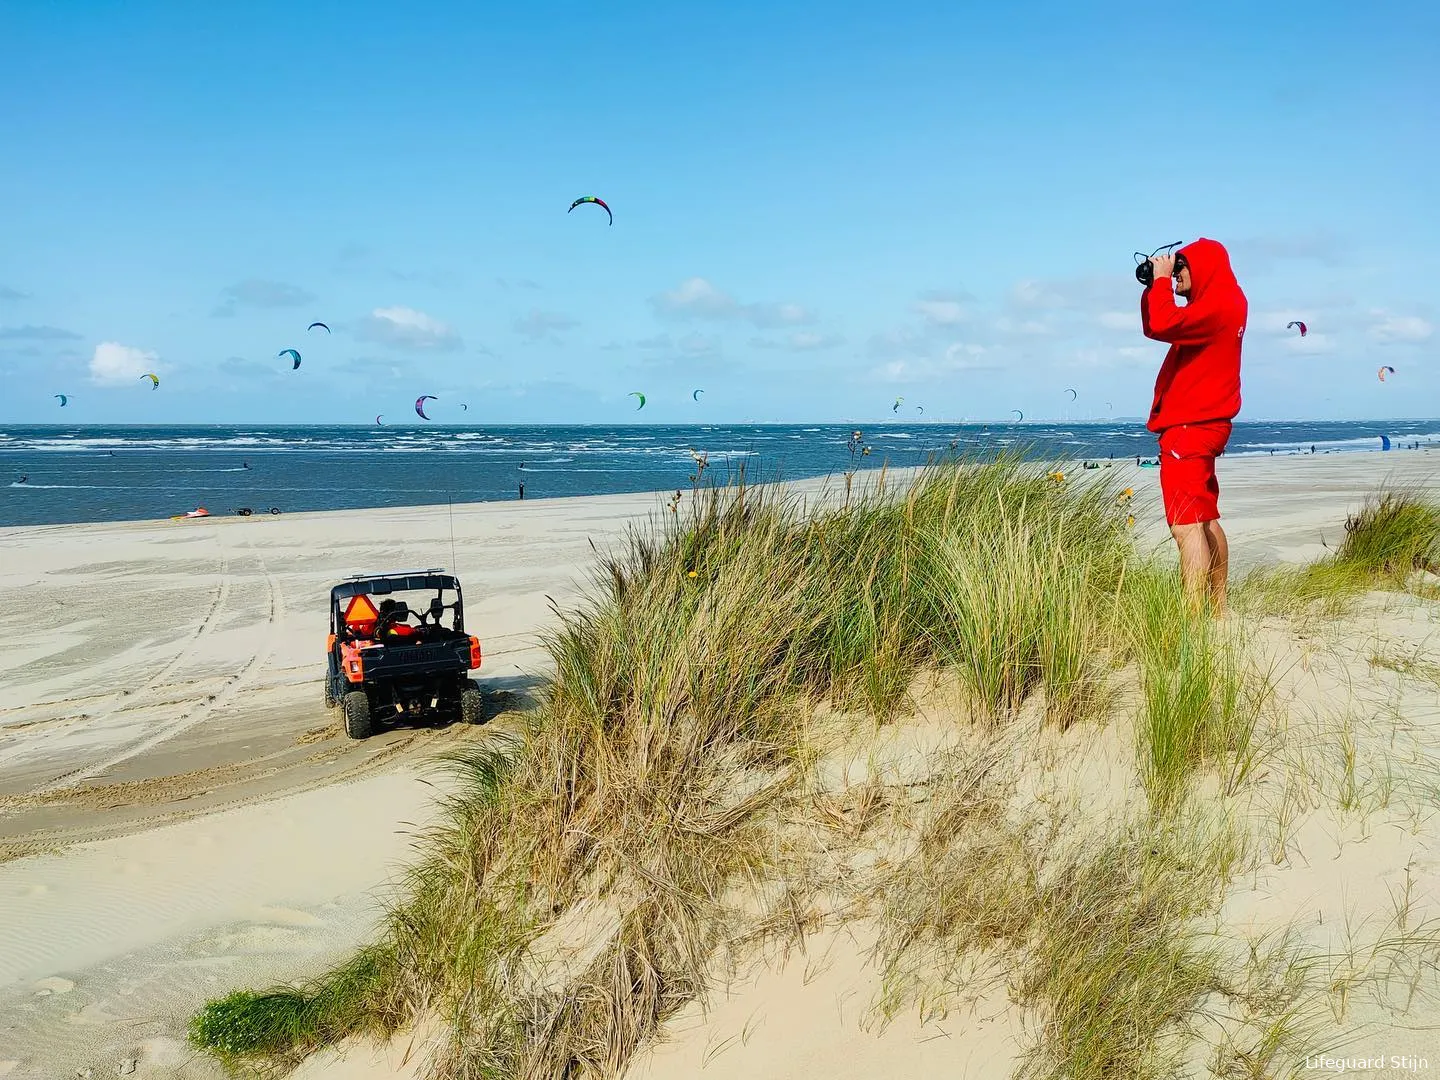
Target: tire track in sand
<point x="238" y="682"/>
<point x="132" y="699"/>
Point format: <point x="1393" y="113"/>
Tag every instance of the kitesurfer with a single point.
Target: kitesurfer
<point x="522" y="489"/>
<point x="1197" y="395"/>
<point x="245" y="464"/>
<point x="23" y="479"/>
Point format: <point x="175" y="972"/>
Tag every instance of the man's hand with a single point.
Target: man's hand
<point x="1164" y="265"/>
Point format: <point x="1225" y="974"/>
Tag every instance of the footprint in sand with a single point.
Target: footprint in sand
<point x="53" y="985"/>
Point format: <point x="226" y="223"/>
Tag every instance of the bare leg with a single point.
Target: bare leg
<point x="1219" y="566"/>
<point x="1195" y="561"/>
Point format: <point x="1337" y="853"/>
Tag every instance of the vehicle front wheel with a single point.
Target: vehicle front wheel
<point x="472" y="705"/>
<point x="357" y="715"/>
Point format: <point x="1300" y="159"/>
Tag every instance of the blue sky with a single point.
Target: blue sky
<point x="818" y="207"/>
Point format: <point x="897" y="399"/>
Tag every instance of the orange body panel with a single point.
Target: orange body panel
<point x="351" y="662"/>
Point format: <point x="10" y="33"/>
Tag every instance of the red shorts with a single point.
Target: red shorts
<point x="1187" y="470"/>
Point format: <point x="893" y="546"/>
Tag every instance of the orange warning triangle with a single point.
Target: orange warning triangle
<point x="360" y="610"/>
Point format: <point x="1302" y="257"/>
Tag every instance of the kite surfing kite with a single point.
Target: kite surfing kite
<point x="898" y="402"/>
<point x="420" y="404"/>
<point x="696" y="395"/>
<point x="464" y="406"/>
<point x="377" y="419"/>
<point x="592" y="199"/>
<point x="292" y="354"/>
<point x="1018" y="413"/>
<point x="1383" y="369"/>
<point x="319" y="324"/>
<point x="1071" y="391"/>
<point x="1297" y="324"/>
<point x="63" y="400"/>
<point x="154" y="379"/>
<point x="637" y="393"/>
<point x="920" y="409"/>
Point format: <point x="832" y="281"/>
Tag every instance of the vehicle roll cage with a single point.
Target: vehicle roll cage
<point x="400" y="581"/>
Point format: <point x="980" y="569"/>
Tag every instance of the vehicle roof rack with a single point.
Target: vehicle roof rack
<point x="398" y="573"/>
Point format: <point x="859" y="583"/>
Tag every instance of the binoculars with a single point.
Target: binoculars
<point x="1145" y="269"/>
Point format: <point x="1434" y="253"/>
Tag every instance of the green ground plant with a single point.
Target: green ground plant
<point x="1394" y="534"/>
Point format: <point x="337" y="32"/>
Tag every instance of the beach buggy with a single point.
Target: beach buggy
<point x="389" y="661"/>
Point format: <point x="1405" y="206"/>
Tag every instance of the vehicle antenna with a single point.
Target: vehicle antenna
<point x="450" y="503"/>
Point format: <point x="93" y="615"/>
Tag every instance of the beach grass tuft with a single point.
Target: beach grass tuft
<point x="1200" y="700"/>
<point x="1393" y="536"/>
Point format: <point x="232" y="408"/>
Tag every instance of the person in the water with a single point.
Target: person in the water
<point x="23" y="479"/>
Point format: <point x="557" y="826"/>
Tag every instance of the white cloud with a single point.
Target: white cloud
<point x="956" y="357"/>
<point x="1388" y="329"/>
<point x="696" y="298"/>
<point x="806" y="340"/>
<point x="940" y="309"/>
<point x="404" y="327"/>
<point x="114" y="364"/>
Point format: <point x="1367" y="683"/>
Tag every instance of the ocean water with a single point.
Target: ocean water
<point x="100" y="473"/>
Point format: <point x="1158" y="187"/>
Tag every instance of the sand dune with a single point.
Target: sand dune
<point x="182" y="815"/>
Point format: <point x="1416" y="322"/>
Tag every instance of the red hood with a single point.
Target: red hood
<point x="1209" y="264"/>
<point x="1200" y="379"/>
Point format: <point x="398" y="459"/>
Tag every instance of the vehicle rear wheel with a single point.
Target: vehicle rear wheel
<point x="357" y="715"/>
<point x="472" y="704"/>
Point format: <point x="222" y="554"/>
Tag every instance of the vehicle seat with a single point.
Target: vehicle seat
<point x="397" y="624"/>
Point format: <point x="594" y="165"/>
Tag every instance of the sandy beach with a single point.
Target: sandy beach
<point x="180" y="815"/>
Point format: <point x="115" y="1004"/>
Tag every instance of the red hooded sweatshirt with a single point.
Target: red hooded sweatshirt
<point x="1200" y="379"/>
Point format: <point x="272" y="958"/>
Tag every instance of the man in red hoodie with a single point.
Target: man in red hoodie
<point x="1197" y="394"/>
